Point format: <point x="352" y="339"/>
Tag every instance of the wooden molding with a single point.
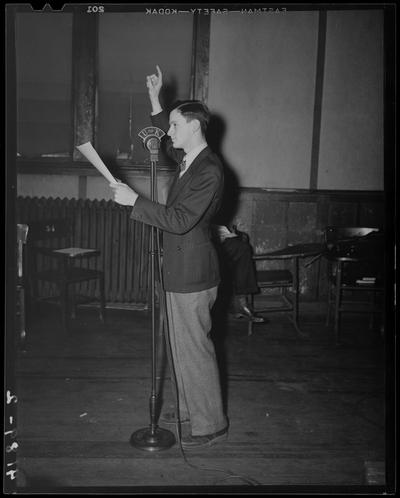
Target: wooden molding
<point x="47" y="166"/>
<point x="319" y="83"/>
<point x="200" y="57"/>
<point x="85" y="78"/>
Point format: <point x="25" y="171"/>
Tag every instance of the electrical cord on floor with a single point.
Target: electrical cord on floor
<point x="230" y="474"/>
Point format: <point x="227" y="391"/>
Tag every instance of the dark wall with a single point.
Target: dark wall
<point x="131" y="44"/>
<point x="44" y="71"/>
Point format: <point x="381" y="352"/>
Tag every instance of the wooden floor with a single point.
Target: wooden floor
<point x="303" y="412"/>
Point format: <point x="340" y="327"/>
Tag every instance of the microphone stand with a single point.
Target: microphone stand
<point x="153" y="438"/>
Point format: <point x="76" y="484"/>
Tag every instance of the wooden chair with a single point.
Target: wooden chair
<point x="284" y="278"/>
<point x="53" y="259"/>
<point x="355" y="257"/>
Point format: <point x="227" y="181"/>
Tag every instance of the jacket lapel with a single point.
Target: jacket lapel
<point x="179" y="183"/>
<point x="174" y="187"/>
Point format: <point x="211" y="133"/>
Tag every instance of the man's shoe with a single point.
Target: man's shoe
<point x="190" y="441"/>
<point x="171" y="418"/>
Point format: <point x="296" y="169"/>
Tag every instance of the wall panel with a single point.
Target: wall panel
<point x="261" y="83"/>
<point x="351" y="145"/>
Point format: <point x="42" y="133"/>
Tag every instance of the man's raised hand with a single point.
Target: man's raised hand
<point x="154" y="83"/>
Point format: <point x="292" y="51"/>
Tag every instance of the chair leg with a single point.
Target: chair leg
<point x="250" y="300"/>
<point x="28" y="303"/>
<point x="381" y="326"/>
<point x="250" y="327"/>
<point x="329" y="304"/>
<point x="32" y="298"/>
<point x="372" y="318"/>
<point x="21" y="314"/>
<point x="338" y="300"/>
<point x="64" y="307"/>
<point x="73" y="302"/>
<point x="296" y="293"/>
<point x="330" y="294"/>
<point x="102" y="309"/>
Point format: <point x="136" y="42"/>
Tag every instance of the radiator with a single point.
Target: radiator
<point x="103" y="225"/>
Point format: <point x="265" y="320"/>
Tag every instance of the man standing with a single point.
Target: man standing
<point x="190" y="262"/>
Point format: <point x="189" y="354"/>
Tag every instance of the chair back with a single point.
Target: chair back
<point x="50" y="229"/>
<point x="50" y="233"/>
<point x="44" y="236"/>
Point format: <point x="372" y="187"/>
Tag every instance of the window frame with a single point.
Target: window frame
<point x="85" y="94"/>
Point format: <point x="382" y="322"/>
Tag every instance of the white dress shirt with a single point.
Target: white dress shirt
<point x="191" y="156"/>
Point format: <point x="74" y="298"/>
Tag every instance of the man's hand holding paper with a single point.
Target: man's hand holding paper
<point x="123" y="194"/>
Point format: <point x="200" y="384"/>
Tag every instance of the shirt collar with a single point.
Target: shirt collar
<point x="191" y="156"/>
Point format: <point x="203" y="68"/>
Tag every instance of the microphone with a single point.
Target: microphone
<point x="151" y="137"/>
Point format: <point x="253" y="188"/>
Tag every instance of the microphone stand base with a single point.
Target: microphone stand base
<point x="145" y="439"/>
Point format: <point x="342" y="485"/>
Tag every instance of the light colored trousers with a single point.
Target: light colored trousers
<point x="194" y="358"/>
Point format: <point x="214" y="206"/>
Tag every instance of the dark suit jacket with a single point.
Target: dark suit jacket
<point x="190" y="261"/>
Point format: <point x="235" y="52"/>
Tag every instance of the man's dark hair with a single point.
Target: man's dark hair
<point x="193" y="109"/>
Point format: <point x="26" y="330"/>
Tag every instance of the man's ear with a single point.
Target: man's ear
<point x="195" y="124"/>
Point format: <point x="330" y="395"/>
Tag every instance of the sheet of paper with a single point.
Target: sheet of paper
<point x="90" y="153"/>
<point x="74" y="251"/>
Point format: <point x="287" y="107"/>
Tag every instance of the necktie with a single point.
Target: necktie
<point x="182" y="167"/>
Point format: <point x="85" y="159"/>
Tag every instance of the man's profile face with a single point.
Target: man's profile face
<point x="180" y="130"/>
